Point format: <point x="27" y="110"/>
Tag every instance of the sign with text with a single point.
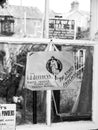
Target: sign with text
<point x="49" y="70"/>
<point x="7" y="116"/>
<point x="61" y="28"/>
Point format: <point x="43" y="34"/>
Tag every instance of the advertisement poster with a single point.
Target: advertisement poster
<point x="49" y="70"/>
<point x="61" y="28"/>
<point x="7" y="116"/>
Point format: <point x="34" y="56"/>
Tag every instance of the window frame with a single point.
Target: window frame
<point x="77" y="125"/>
<point x="81" y="125"/>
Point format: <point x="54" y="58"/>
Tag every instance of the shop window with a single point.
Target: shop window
<point x="74" y="104"/>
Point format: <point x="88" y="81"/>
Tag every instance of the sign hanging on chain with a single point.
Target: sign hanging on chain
<point x="49" y="70"/>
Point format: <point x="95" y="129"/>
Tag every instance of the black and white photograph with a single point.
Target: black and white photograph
<point x="48" y="64"/>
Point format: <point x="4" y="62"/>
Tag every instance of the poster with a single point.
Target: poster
<point x="49" y="70"/>
<point x="61" y="28"/>
<point x="7" y="116"/>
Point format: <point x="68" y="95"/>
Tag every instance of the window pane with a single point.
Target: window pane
<point x="71" y="104"/>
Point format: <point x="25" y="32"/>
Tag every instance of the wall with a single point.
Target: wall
<point x="28" y="27"/>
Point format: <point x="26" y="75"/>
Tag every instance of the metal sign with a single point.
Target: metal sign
<point x="49" y="70"/>
<point x="61" y="28"/>
<point x="7" y="116"/>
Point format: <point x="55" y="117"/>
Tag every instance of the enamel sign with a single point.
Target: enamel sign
<point x="49" y="70"/>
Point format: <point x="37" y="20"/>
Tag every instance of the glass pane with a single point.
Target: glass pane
<point x="71" y="104"/>
<point x="12" y="80"/>
<point x="63" y="10"/>
<point x="75" y="102"/>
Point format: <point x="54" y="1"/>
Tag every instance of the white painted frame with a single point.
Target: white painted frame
<point x="74" y="125"/>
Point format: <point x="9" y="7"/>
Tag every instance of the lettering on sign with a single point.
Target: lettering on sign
<point x="61" y="28"/>
<point x="8" y="116"/>
<point x="8" y="113"/>
<point x="67" y="77"/>
<point x="49" y="70"/>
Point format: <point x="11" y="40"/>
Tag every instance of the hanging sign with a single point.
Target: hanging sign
<point x="7" y="116"/>
<point x="49" y="70"/>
